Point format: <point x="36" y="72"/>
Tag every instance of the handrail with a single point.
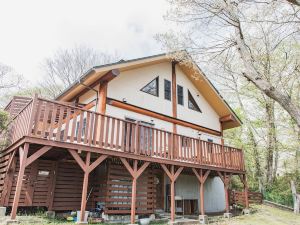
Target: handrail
<point x="59" y="121"/>
<point x="112" y="117"/>
<point x="25" y="106"/>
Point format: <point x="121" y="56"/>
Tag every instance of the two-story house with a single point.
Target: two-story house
<point x="131" y="137"/>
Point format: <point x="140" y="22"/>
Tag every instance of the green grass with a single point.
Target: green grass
<point x="261" y="215"/>
<point x="264" y="215"/>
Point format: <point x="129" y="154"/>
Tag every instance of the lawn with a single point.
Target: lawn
<point x="264" y="215"/>
<point x="261" y="215"/>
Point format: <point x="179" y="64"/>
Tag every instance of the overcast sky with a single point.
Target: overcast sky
<point x="33" y="29"/>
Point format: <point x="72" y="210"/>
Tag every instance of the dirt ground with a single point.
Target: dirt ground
<point x="260" y="215"/>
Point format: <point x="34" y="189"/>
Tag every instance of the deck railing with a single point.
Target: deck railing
<point x="61" y="122"/>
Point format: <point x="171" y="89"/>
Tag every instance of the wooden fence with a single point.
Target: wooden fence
<point x="57" y="121"/>
<point x="238" y="198"/>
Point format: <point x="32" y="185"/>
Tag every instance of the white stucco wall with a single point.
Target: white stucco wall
<point x="208" y="118"/>
<point x="187" y="186"/>
<point x="129" y="83"/>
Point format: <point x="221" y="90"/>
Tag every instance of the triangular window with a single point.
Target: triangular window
<point x="192" y="103"/>
<point x="152" y="87"/>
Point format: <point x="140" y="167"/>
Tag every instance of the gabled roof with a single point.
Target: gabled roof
<point x="202" y="83"/>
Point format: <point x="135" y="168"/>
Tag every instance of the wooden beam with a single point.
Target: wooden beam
<point x="156" y="115"/>
<point x="85" y="186"/>
<point x="102" y="93"/>
<point x="174" y="95"/>
<point x="135" y="173"/>
<point x="173" y="177"/>
<point x="226" y="180"/>
<point x="205" y="175"/>
<point x="197" y="175"/>
<point x="67" y="145"/>
<point x="227" y="118"/>
<point x="37" y="154"/>
<point x="109" y="76"/>
<point x="23" y="157"/>
<point x="77" y="158"/>
<point x="243" y="179"/>
<point x="201" y="178"/>
<point x="179" y="170"/>
<point x="167" y="171"/>
<point x="127" y="166"/>
<point x="10" y="161"/>
<point x="142" y="169"/>
<point x="97" y="162"/>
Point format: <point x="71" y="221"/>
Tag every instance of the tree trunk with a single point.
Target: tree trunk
<point x="252" y="75"/>
<point x="296" y="197"/>
<point x="294" y="2"/>
<point x="252" y="139"/>
<point x="271" y="148"/>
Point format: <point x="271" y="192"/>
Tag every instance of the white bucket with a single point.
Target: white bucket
<point x="86" y="214"/>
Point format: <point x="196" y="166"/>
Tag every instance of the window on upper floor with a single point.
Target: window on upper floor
<point x="179" y="95"/>
<point x="167" y="84"/>
<point x="192" y="103"/>
<point x="152" y="87"/>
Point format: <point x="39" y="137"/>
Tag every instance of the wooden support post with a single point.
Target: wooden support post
<point x="102" y="97"/>
<point x="24" y="161"/>
<point x="84" y="187"/>
<point x="173" y="177"/>
<point x="135" y="173"/>
<point x="201" y="178"/>
<point x="87" y="168"/>
<point x="174" y="96"/>
<point x="8" y="180"/>
<point x="23" y="152"/>
<point x="245" y="184"/>
<point x="226" y="180"/>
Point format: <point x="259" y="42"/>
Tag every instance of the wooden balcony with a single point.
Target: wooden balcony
<point x="56" y="123"/>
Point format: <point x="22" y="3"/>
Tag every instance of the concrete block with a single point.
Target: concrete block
<point x="2" y="211"/>
<point x="246" y="211"/>
<point x="203" y="219"/>
<point x="12" y="222"/>
<point x="152" y="217"/>
<point x="50" y="214"/>
<point x="227" y="215"/>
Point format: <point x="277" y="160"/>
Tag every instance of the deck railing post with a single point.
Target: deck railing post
<point x="32" y="114"/>
<point x="137" y="137"/>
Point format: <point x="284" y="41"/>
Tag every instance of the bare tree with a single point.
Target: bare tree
<point x="10" y="81"/>
<point x="226" y="26"/>
<point x="67" y="65"/>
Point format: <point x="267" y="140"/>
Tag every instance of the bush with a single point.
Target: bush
<point x="3" y="120"/>
<point x="280" y="191"/>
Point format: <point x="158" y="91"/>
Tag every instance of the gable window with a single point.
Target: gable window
<point x="179" y="95"/>
<point x="152" y="87"/>
<point x="167" y="89"/>
<point x="192" y="103"/>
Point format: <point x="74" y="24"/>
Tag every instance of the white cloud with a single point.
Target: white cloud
<point x="32" y="30"/>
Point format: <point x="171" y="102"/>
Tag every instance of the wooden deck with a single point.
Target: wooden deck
<point x="48" y="122"/>
<point x="88" y="138"/>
